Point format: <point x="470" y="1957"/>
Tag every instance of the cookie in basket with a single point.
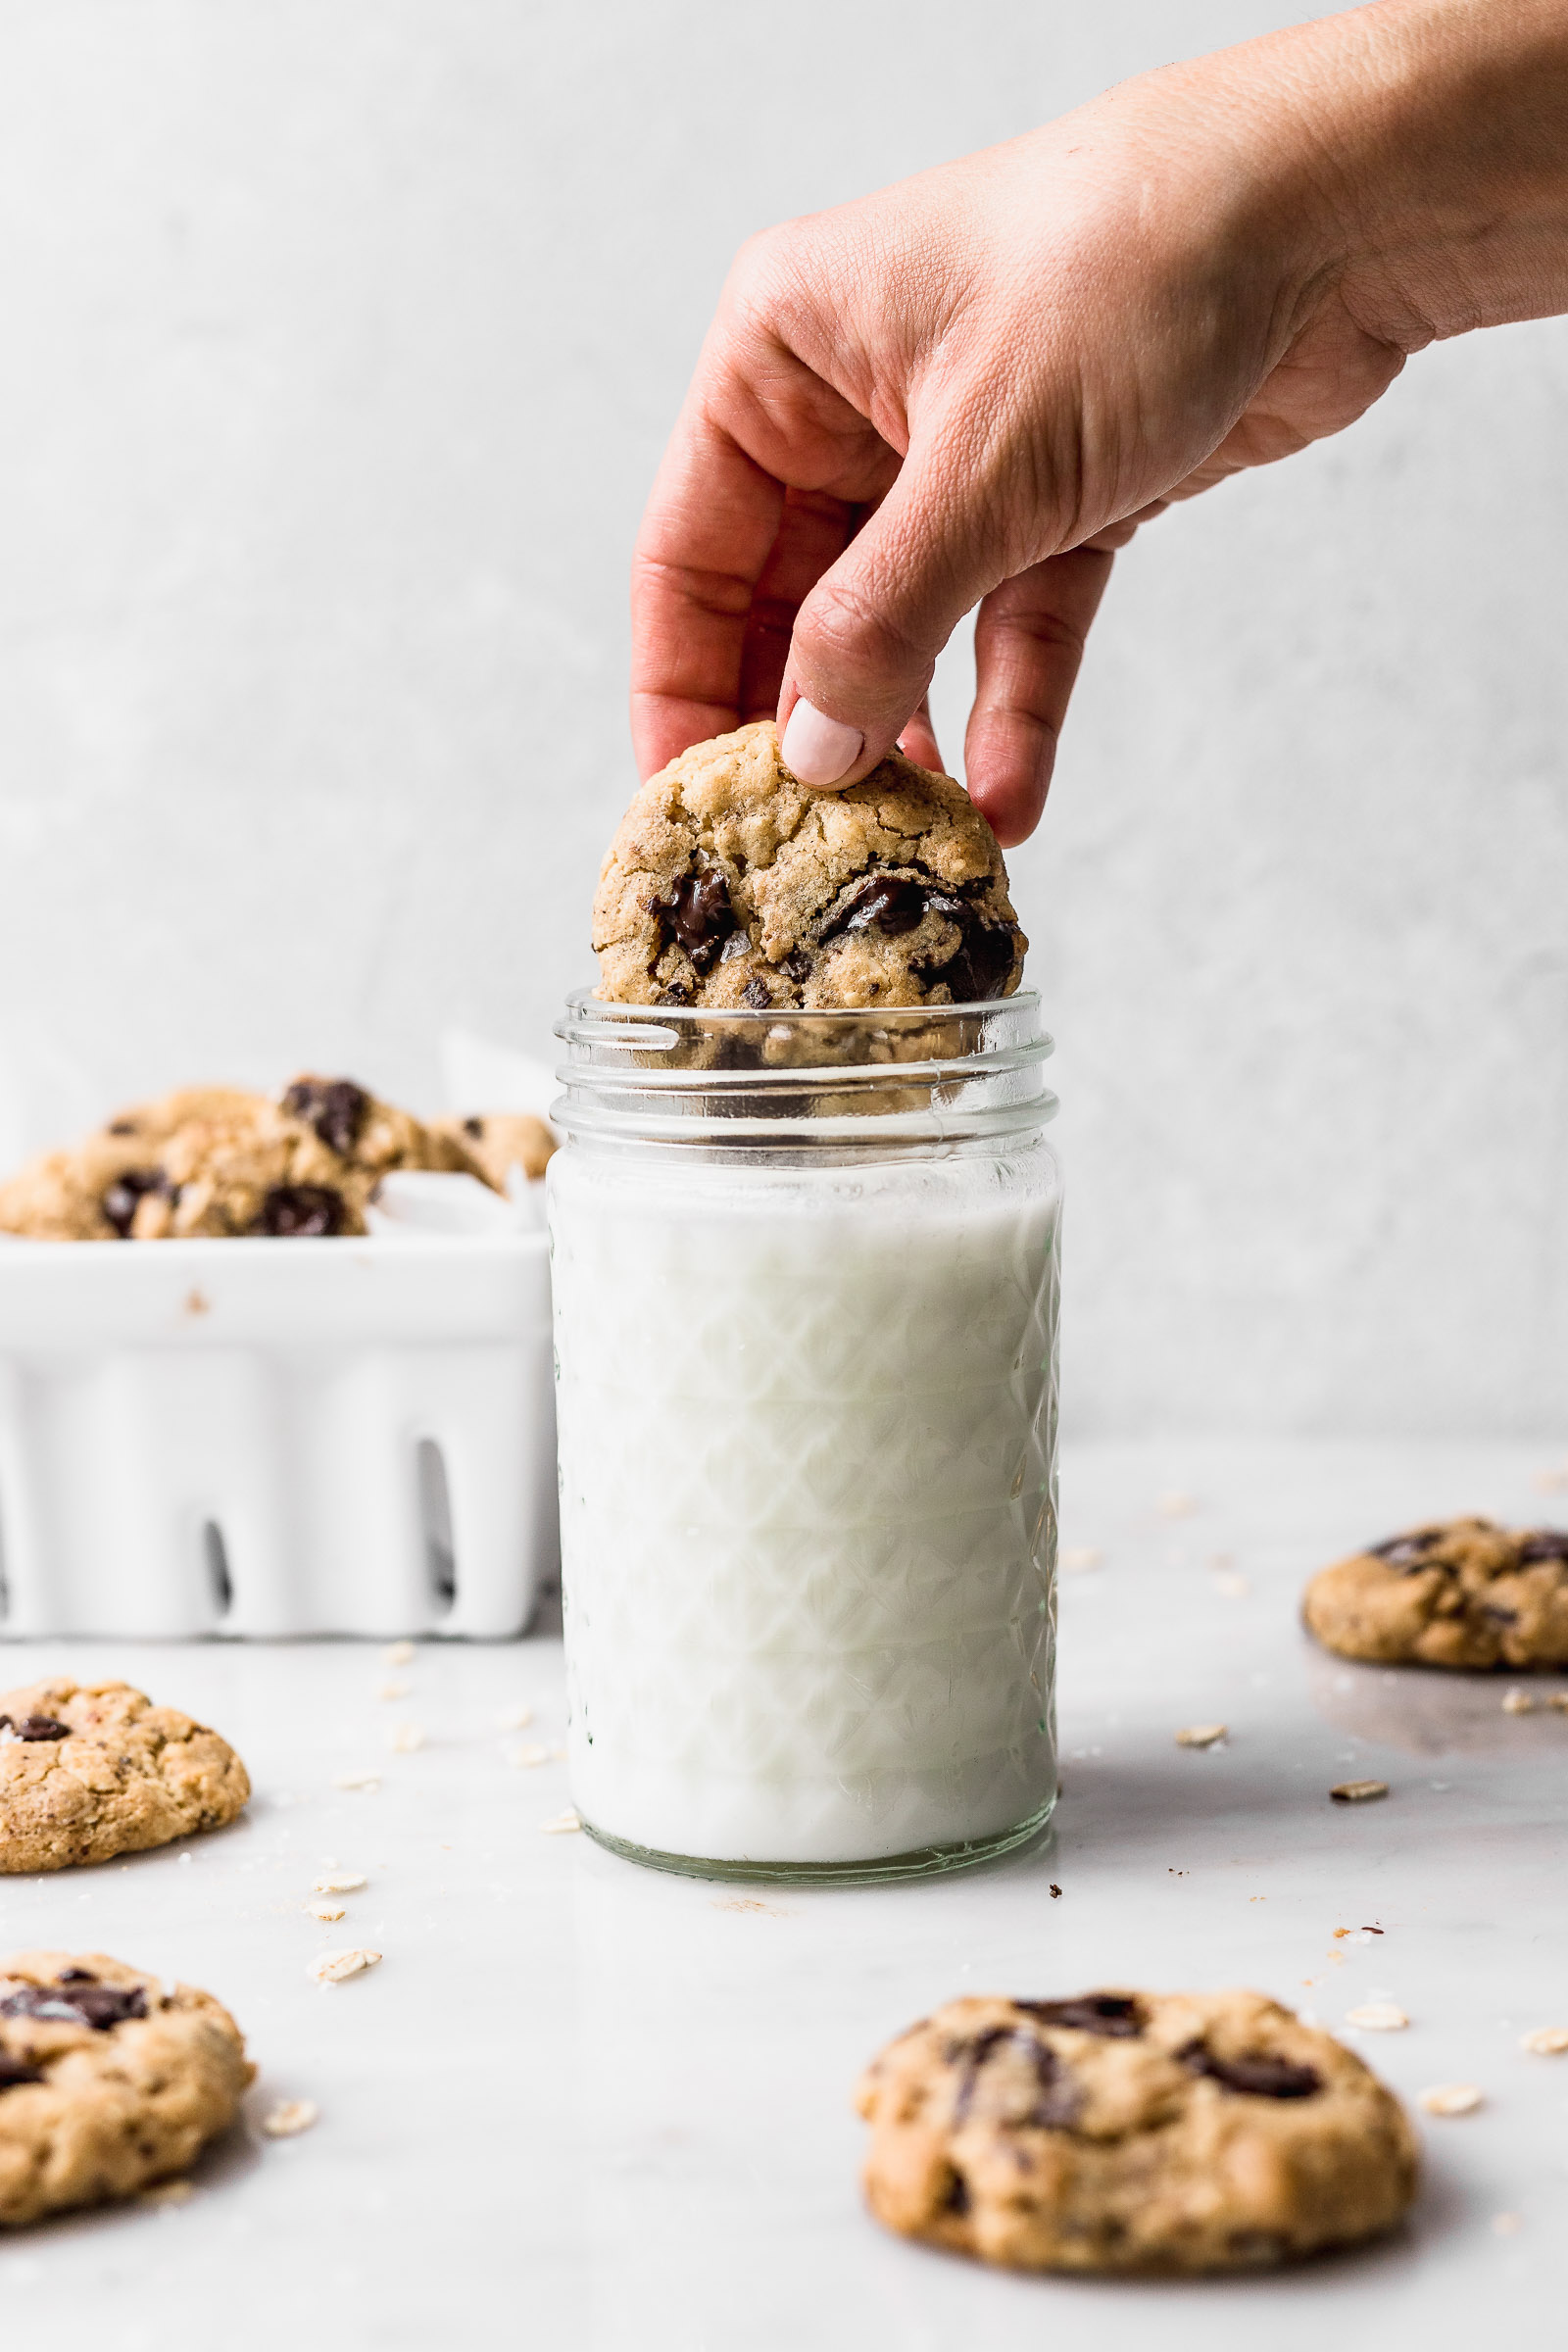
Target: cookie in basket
<point x="91" y="1769"/>
<point x="1132" y="2131"/>
<point x="729" y="883"/>
<point x="108" y="2083"/>
<point x="1457" y="1593"/>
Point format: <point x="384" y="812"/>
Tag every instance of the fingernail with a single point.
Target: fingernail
<point x="817" y="749"/>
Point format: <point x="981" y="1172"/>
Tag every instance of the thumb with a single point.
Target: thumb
<point x="866" y="639"/>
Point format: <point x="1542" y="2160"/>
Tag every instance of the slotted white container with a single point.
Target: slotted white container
<point x="277" y="1438"/>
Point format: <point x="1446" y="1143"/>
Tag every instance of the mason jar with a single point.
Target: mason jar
<point x="805" y="1269"/>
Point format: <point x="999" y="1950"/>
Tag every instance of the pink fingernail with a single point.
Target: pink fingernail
<point x="817" y="749"/>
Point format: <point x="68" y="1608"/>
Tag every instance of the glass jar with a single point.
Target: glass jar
<point x="806" y="1283"/>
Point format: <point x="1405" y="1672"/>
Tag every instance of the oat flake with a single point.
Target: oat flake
<point x="357" y="1780"/>
<point x="330" y="1968"/>
<point x="407" y="1739"/>
<point x="1377" y="2017"/>
<point x="288" y="2117"/>
<point x="1358" y="1793"/>
<point x="1518" y="1703"/>
<point x="1202" y="1734"/>
<point x="1452" y="2098"/>
<point x="401" y="1653"/>
<point x="1546" y="2041"/>
<point x="339" y="1882"/>
<point x="563" y="1825"/>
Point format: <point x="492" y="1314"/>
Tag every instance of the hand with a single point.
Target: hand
<point x="971" y="388"/>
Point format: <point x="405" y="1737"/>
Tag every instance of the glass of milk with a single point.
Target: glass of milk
<point x="805" y="1270"/>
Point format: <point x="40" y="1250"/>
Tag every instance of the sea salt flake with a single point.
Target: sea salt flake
<point x="1202" y="1734"/>
<point x="288" y="2117"/>
<point x="330" y="1968"/>
<point x="1452" y="2098"/>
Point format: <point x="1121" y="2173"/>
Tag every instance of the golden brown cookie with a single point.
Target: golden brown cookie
<point x="107" y="2081"/>
<point x="730" y="884"/>
<point x="92" y="1770"/>
<point x="499" y="1141"/>
<point x="1458" y="1592"/>
<point x="1132" y="2131"/>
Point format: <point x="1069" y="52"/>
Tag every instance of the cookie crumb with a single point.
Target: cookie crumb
<point x="357" y="1780"/>
<point x="394" y="1690"/>
<point x="399" y="1654"/>
<point x="289" y="2117"/>
<point x="324" y="1911"/>
<point x="1054" y="1889"/>
<point x="1546" y="2042"/>
<point x="1452" y="2098"/>
<point x="1202" y="1734"/>
<point x="330" y="1968"/>
<point x="1377" y="2017"/>
<point x="407" y="1739"/>
<point x="1357" y="1793"/>
<point x="1078" y="1558"/>
<point x="514" y="1719"/>
<point x="167" y="2192"/>
<point x="339" y="1882"/>
<point x="1507" y="2225"/>
<point x="1174" y="1503"/>
<point x="1518" y="1703"/>
<point x="562" y="1826"/>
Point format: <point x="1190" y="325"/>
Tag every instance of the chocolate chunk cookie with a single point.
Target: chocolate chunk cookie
<point x="214" y="1160"/>
<point x="729" y="883"/>
<point x="1130" y="2132"/>
<point x="1458" y="1592"/>
<point x="89" y="1770"/>
<point x="107" y="2081"/>
<point x="499" y="1141"/>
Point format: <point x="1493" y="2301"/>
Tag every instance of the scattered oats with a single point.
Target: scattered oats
<point x="401" y="1653"/>
<point x="1357" y="1793"/>
<point x="1232" y="1585"/>
<point x="1507" y="2225"/>
<point x="1201" y="1734"/>
<point x="1546" y="2041"/>
<point x="514" y="1719"/>
<point x="324" y="1910"/>
<point x="1452" y="2098"/>
<point x="167" y="2192"/>
<point x="357" y="1780"/>
<point x="1079" y="1557"/>
<point x="1174" y="1504"/>
<point x="330" y="1968"/>
<point x="339" y="1882"/>
<point x="394" y="1690"/>
<point x="407" y="1739"/>
<point x="562" y="1826"/>
<point x="1518" y="1703"/>
<point x="288" y="2117"/>
<point x="1377" y="2017"/>
<point x="528" y="1755"/>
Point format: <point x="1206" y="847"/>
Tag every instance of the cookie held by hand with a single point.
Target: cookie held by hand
<point x="108" y="2083"/>
<point x="1132" y="2131"/>
<point x="1458" y="1592"/>
<point x="91" y="1769"/>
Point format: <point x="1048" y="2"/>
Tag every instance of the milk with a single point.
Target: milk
<point x="806" y="1426"/>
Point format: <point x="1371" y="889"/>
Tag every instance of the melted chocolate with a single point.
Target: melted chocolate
<point x="335" y="1108"/>
<point x="35" y="1727"/>
<point x="119" y="1200"/>
<point x="301" y="1212"/>
<point x="1060" y="2097"/>
<point x="696" y="913"/>
<point x="1546" y="1544"/>
<point x="1257" y="2073"/>
<point x="13" y="2072"/>
<point x="1113" y="2016"/>
<point x="74" y="2003"/>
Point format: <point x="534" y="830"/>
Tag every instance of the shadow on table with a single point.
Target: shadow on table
<point x="1436" y="1711"/>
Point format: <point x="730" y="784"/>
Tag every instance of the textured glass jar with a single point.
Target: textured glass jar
<point x="804" y="1274"/>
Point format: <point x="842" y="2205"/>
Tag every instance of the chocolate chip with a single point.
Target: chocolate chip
<point x="296" y="1211"/>
<point x="956" y="2199"/>
<point x="1060" y="2097"/>
<point x="1407" y="1551"/>
<point x="1546" y="1544"/>
<point x="13" y="2072"/>
<point x="695" y="911"/>
<point x="92" y="2004"/>
<point x="334" y="1108"/>
<point x="35" y="1727"/>
<point x="473" y="1127"/>
<point x="76" y="1975"/>
<point x="119" y="1199"/>
<point x="1260" y="2074"/>
<point x="757" y="993"/>
<point x="678" y="993"/>
<point x="796" y="965"/>
<point x="121" y="1127"/>
<point x="1113" y="2016"/>
<point x="891" y="903"/>
<point x="982" y="964"/>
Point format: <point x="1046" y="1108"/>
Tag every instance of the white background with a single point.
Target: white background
<point x="339" y="345"/>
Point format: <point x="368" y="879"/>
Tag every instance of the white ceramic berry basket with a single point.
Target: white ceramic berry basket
<point x="273" y="1438"/>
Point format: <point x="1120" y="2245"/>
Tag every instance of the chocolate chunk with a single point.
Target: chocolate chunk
<point x="119" y="1199"/>
<point x="697" y="914"/>
<point x="1060" y="2097"/>
<point x="1546" y="1544"/>
<point x="93" y="2004"/>
<point x="1260" y="2074"/>
<point x="473" y="1127"/>
<point x="35" y="1727"/>
<point x="891" y="903"/>
<point x="956" y="2199"/>
<point x="16" y="2070"/>
<point x="121" y="1127"/>
<point x="301" y="1212"/>
<point x="796" y="965"/>
<point x="1407" y="1551"/>
<point x="983" y="961"/>
<point x="1113" y="2016"/>
<point x="678" y="993"/>
<point x="757" y="993"/>
<point x="335" y="1108"/>
<point x="76" y="1975"/>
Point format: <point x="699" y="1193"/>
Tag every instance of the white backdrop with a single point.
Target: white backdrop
<point x="339" y="344"/>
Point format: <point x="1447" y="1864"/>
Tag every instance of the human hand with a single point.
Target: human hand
<point x="971" y="388"/>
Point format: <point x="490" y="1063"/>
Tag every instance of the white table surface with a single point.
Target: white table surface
<point x="583" y="2105"/>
